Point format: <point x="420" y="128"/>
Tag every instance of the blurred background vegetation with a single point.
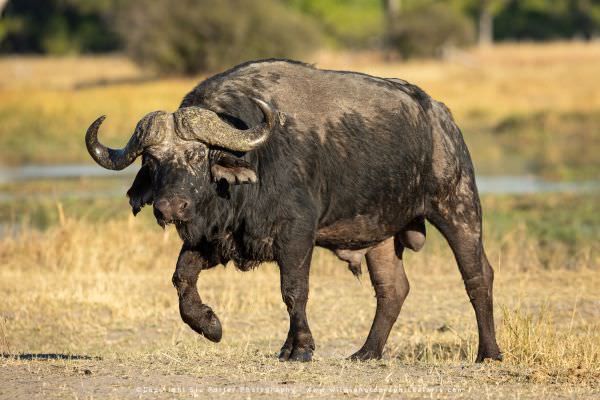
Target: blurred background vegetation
<point x="520" y="76"/>
<point x="523" y="109"/>
<point x="207" y="35"/>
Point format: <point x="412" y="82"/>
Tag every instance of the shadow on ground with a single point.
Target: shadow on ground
<point x="48" y="356"/>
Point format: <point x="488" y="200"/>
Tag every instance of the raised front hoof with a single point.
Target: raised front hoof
<point x="203" y="320"/>
<point x="295" y="354"/>
<point x="364" y="355"/>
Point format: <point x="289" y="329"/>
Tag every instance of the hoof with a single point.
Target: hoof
<point x="493" y="356"/>
<point x="204" y="321"/>
<point x="301" y="354"/>
<point x="285" y="353"/>
<point x="295" y="354"/>
<point x="363" y="355"/>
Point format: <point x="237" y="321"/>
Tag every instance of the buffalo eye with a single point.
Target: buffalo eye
<point x="150" y="162"/>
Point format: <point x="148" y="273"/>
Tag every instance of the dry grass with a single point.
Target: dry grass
<point x="510" y="79"/>
<point x="64" y="73"/>
<point x="103" y="290"/>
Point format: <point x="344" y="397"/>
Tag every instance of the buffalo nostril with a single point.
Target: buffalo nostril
<point x="183" y="205"/>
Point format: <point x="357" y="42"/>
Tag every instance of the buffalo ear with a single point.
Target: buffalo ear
<point x="140" y="192"/>
<point x="232" y="169"/>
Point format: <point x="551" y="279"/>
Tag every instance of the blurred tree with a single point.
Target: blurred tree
<point x="548" y="19"/>
<point x="485" y="27"/>
<point x="349" y="23"/>
<point x="414" y="34"/>
<point x="192" y="36"/>
<point x="582" y="16"/>
<point x="72" y="26"/>
<point x="57" y="26"/>
<point x="486" y="11"/>
<point x="482" y="12"/>
<point x="391" y="10"/>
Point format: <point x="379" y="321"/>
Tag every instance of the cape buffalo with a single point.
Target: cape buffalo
<point x="271" y="158"/>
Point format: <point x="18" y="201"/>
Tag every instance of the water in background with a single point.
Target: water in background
<point x="525" y="184"/>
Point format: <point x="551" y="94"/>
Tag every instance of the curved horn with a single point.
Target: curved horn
<point x="206" y="126"/>
<point x="118" y="159"/>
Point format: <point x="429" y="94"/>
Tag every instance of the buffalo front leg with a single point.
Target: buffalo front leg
<point x="294" y="270"/>
<point x="388" y="278"/>
<point x="197" y="315"/>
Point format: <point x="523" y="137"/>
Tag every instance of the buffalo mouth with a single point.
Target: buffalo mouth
<point x="162" y="222"/>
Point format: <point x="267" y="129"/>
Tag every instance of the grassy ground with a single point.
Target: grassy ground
<point x="87" y="309"/>
<point x="89" y="299"/>
<point x="524" y="108"/>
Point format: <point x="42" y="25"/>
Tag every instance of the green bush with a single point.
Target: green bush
<point x="58" y="26"/>
<point x="425" y="31"/>
<point x="208" y="35"/>
<point x="346" y="23"/>
<point x="547" y="19"/>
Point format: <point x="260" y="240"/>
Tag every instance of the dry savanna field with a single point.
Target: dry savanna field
<point x="87" y="308"/>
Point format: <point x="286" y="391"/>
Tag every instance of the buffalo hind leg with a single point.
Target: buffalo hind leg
<point x="294" y="269"/>
<point x="388" y="278"/>
<point x="459" y="221"/>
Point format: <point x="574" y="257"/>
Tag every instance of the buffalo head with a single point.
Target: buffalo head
<point x="182" y="152"/>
